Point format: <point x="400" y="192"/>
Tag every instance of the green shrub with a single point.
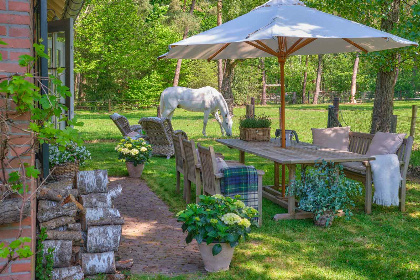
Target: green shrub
<point x="262" y="121"/>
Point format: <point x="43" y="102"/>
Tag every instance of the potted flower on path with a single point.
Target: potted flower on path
<point x="135" y="153"/>
<point x="65" y="161"/>
<point x="218" y="223"/>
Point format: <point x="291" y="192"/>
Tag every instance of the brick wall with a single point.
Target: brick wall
<point x="16" y="30"/>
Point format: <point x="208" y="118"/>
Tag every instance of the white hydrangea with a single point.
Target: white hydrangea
<point x="231" y="219"/>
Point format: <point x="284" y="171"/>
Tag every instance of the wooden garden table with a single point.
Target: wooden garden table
<point x="300" y="153"/>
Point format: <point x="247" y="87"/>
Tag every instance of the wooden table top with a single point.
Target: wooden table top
<point x="301" y="153"/>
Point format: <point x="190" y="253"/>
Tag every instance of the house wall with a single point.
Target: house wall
<point x="16" y="29"/>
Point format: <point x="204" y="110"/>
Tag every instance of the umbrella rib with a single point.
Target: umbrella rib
<point x="219" y="51"/>
<point x="293" y="46"/>
<point x="261" y="48"/>
<point x="269" y="50"/>
<point x="356" y="45"/>
<point x="301" y="45"/>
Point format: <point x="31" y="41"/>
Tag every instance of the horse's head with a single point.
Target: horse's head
<point x="227" y="124"/>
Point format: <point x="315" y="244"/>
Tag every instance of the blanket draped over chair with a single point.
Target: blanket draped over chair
<point x="243" y="181"/>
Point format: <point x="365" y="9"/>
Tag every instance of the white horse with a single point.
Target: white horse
<point x="206" y="99"/>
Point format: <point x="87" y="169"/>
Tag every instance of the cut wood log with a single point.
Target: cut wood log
<point x="96" y="263"/>
<point x="124" y="264"/>
<point x="76" y="255"/>
<point x="70" y="199"/>
<point x="103" y="238"/>
<point x="96" y="200"/>
<point x="10" y="210"/>
<point x="61" y="185"/>
<point x="114" y="192"/>
<point x="72" y="272"/>
<point x="94" y="181"/>
<point x="74" y="227"/>
<point x="61" y="253"/>
<point x="48" y="210"/>
<point x="48" y="194"/>
<point x="101" y="217"/>
<point x="57" y="222"/>
<point x="64" y="235"/>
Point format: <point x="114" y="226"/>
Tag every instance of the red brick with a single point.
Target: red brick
<point x="20" y="150"/>
<point x="21" y="117"/>
<point x="15" y="19"/>
<point x="4" y="55"/>
<point x="13" y="233"/>
<point x="19" y="6"/>
<point x="14" y="56"/>
<point x="21" y="267"/>
<point x="16" y="277"/>
<point x="19" y="32"/>
<point x="17" y="43"/>
<point x="16" y="163"/>
<point x="25" y="222"/>
<point x="11" y="67"/>
<point x="20" y="140"/>
<point x="3" y="5"/>
<point x="3" y="30"/>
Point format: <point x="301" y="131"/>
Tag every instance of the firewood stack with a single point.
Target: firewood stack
<point x="82" y="226"/>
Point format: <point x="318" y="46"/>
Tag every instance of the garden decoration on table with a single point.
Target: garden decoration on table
<point x="218" y="223"/>
<point x="324" y="191"/>
<point x="135" y="152"/>
<point x="255" y="128"/>
<point x="65" y="160"/>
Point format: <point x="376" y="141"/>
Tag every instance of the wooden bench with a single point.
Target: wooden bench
<point x="359" y="143"/>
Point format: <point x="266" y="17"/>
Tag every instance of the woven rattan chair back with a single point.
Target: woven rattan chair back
<point x="122" y="123"/>
<point x="208" y="170"/>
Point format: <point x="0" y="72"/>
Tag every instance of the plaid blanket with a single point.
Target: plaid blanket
<point x="243" y="181"/>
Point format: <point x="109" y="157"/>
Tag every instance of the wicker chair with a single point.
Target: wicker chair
<point x="133" y="131"/>
<point x="179" y="160"/>
<point x="159" y="134"/>
<point x="211" y="177"/>
<point x="192" y="170"/>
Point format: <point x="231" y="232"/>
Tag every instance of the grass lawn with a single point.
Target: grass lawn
<point x="384" y="245"/>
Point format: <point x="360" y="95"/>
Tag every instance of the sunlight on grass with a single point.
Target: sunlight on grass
<point x="384" y="245"/>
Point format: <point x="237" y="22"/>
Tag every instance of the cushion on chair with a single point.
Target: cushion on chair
<point x="334" y="137"/>
<point x="384" y="143"/>
<point x="356" y="166"/>
<point x="221" y="164"/>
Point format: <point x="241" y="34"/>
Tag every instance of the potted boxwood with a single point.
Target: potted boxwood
<point x="218" y="223"/>
<point x="65" y="160"/>
<point x="256" y="128"/>
<point x="135" y="153"/>
<point x="325" y="191"/>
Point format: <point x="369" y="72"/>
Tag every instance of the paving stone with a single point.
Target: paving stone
<point x="151" y="236"/>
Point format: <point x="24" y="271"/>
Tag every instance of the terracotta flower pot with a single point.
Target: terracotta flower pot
<point x="134" y="171"/>
<point x="221" y="261"/>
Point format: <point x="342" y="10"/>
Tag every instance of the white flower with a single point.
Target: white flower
<point x="134" y="152"/>
<point x="231" y="219"/>
<point x="143" y="149"/>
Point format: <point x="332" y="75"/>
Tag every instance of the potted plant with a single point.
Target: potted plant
<point x="135" y="152"/>
<point x="255" y="128"/>
<point x="325" y="191"/>
<point x="218" y="223"/>
<point x="65" y="160"/>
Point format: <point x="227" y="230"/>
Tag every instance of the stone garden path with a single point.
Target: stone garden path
<point x="151" y="236"/>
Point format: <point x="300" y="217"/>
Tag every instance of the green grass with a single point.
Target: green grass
<point x="384" y="245"/>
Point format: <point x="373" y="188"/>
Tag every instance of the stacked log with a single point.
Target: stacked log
<point x="63" y="228"/>
<point x="100" y="222"/>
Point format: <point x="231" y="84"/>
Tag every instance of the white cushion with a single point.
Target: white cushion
<point x="221" y="164"/>
<point x="384" y="143"/>
<point x="334" y="138"/>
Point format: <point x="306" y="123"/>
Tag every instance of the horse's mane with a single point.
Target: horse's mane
<point x="223" y="102"/>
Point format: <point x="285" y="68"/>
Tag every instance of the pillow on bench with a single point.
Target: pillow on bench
<point x="384" y="143"/>
<point x="334" y="138"/>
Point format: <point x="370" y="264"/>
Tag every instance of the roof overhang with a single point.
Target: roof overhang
<point x="63" y="9"/>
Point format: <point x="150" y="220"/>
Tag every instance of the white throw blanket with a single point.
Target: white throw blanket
<point x="386" y="177"/>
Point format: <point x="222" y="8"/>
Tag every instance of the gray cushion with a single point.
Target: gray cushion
<point x="334" y="137"/>
<point x="356" y="166"/>
<point x="384" y="143"/>
<point x="221" y="164"/>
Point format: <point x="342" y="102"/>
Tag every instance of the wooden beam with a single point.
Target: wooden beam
<point x="261" y="48"/>
<point x="301" y="45"/>
<point x="356" y="45"/>
<point x="219" y="51"/>
<point x="271" y="51"/>
<point x="293" y="46"/>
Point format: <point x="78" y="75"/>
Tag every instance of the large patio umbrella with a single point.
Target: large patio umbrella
<point x="282" y="28"/>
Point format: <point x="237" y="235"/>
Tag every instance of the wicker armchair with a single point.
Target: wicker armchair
<point x="133" y="131"/>
<point x="179" y="159"/>
<point x="159" y="134"/>
<point x="211" y="176"/>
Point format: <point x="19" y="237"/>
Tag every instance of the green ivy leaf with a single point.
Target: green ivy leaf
<point x="217" y="248"/>
<point x="31" y="171"/>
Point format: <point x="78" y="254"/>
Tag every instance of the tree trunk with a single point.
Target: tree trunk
<point x="10" y="210"/>
<point x="264" y="83"/>
<point x="305" y="79"/>
<point x="384" y="92"/>
<point x="98" y="263"/>
<point x="220" y="61"/>
<point x="103" y="239"/>
<point x="93" y="181"/>
<point x="72" y="272"/>
<point x="397" y="71"/>
<point x="179" y="62"/>
<point x="228" y="74"/>
<point x="354" y="79"/>
<point x="318" y="79"/>
<point x="414" y="76"/>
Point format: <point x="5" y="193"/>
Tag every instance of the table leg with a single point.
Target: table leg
<point x="276" y="176"/>
<point x="291" y="198"/>
<point x="242" y="157"/>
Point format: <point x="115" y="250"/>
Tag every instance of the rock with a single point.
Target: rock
<point x="95" y="263"/>
<point x="103" y="238"/>
<point x="95" y="181"/>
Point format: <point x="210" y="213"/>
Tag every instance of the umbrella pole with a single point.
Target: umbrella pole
<point x="282" y="61"/>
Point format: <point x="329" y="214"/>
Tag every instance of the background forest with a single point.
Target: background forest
<point x="117" y="44"/>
